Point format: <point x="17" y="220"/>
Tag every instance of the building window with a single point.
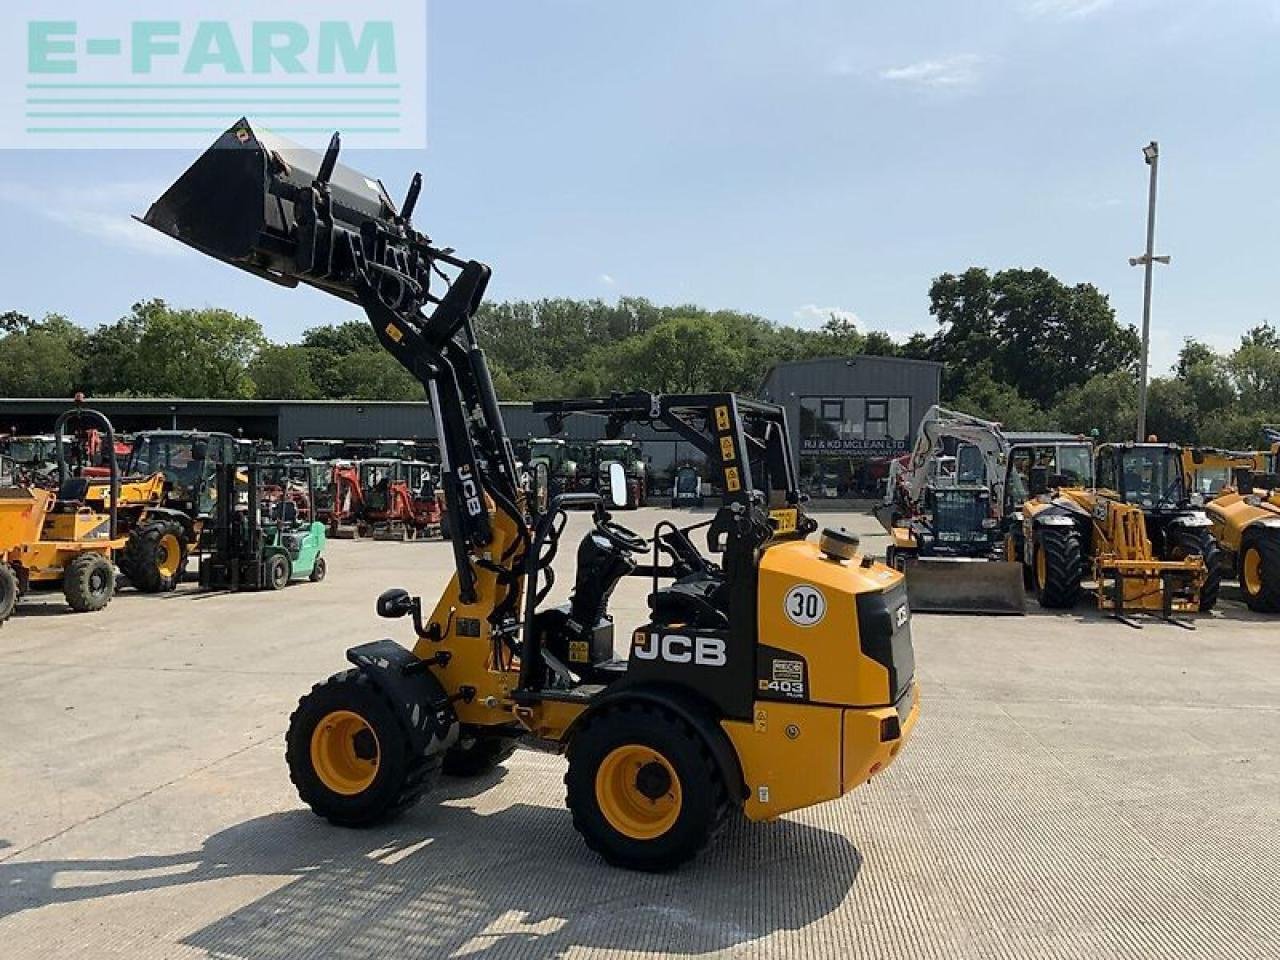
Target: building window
<point x="833" y="411"/>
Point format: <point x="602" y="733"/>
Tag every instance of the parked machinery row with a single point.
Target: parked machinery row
<point x="178" y="493"/>
<point x="1154" y="527"/>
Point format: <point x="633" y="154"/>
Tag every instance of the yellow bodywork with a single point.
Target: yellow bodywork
<point x="792" y="755"/>
<point x="41" y="542"/>
<point x="1122" y="551"/>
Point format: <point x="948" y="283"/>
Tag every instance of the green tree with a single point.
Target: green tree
<point x="283" y="372"/>
<point x="681" y="355"/>
<point x="1040" y="336"/>
<point x="990" y="399"/>
<point x="1107" y="403"/>
<point x="41" y="359"/>
<point x="373" y="375"/>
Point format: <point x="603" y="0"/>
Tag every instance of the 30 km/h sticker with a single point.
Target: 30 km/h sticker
<point x="805" y="605"/>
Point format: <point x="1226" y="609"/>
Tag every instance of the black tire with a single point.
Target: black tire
<point x="277" y="572"/>
<point x="701" y="802"/>
<point x="8" y="591"/>
<point x="147" y="558"/>
<point x="400" y="778"/>
<point x="1058" y="567"/>
<point x="318" y="570"/>
<point x="1184" y="543"/>
<point x="473" y="756"/>
<point x="1266" y="597"/>
<point x="89" y="582"/>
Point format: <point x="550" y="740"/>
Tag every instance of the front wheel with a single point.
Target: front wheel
<point x="1186" y="543"/>
<point x="1058" y="570"/>
<point x="1260" y="573"/>
<point x="644" y="788"/>
<point x="89" y="582"/>
<point x="155" y="555"/>
<point x="277" y="572"/>
<point x="350" y="757"/>
<point x="318" y="570"/>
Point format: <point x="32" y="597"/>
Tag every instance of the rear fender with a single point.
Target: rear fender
<point x="417" y="696"/>
<point x="689" y="707"/>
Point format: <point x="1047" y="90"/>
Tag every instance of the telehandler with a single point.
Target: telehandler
<point x="1146" y="537"/>
<point x="1243" y="504"/>
<point x="790" y="687"/>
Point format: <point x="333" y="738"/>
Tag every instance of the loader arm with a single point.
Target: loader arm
<point x="283" y="213"/>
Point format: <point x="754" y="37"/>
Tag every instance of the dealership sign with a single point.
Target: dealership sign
<point x="853" y="446"/>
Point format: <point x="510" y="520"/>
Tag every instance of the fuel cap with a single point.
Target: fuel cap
<point x="839" y="544"/>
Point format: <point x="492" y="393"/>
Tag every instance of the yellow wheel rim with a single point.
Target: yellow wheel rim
<point x="638" y="792"/>
<point x="168" y="555"/>
<point x="344" y="752"/>
<point x="1042" y="568"/>
<point x="1251" y="572"/>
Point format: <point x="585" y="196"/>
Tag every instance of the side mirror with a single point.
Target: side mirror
<point x="395" y="603"/>
<point x="617" y="484"/>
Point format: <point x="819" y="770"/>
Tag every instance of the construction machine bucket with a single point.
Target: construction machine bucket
<point x="964" y="585"/>
<point x="276" y="209"/>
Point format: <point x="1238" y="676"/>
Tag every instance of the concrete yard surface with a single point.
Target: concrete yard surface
<point x="1075" y="788"/>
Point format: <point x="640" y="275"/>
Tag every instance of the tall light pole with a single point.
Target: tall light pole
<point x="1150" y="153"/>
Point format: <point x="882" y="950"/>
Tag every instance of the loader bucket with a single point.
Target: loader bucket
<point x="249" y="200"/>
<point x="964" y="585"/>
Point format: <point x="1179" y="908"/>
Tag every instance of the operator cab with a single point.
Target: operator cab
<point x="1146" y="475"/>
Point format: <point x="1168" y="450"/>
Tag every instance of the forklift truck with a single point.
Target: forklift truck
<point x="773" y="671"/>
<point x="265" y="538"/>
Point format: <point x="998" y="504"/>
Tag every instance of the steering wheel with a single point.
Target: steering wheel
<point x="621" y="537"/>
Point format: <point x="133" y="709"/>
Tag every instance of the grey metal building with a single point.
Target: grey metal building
<point x="848" y="415"/>
<point x="845" y="414"/>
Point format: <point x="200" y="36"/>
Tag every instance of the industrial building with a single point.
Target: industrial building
<point x="848" y="415"/>
<point x="845" y="416"/>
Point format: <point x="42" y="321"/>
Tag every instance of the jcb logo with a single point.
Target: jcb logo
<point x="470" y="491"/>
<point x="678" y="648"/>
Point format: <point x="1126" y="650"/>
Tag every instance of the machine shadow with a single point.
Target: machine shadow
<point x="448" y="881"/>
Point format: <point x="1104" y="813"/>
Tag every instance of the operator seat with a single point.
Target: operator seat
<point x="698" y="600"/>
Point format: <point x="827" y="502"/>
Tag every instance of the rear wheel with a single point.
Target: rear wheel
<point x="1186" y="543"/>
<point x="277" y="572"/>
<point x="349" y="755"/>
<point x="1058" y="569"/>
<point x="645" y="791"/>
<point x="89" y="582"/>
<point x="8" y="591"/>
<point x="318" y="570"/>
<point x="1260" y="573"/>
<point x="155" y="555"/>
<point x="473" y="756"/>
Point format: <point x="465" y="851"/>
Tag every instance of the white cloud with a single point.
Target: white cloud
<point x="103" y="212"/>
<point x="607" y="280"/>
<point x="813" y="316"/>
<point x="1067" y="9"/>
<point x="949" y="73"/>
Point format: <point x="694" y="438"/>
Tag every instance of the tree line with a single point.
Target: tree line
<point x="1019" y="346"/>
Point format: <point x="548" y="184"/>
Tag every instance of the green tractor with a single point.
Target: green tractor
<point x="264" y="533"/>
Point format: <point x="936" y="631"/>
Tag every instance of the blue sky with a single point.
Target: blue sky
<point x="786" y="158"/>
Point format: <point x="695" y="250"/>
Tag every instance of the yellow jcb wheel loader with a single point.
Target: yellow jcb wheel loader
<point x="1244" y="507"/>
<point x="57" y="539"/>
<point x="773" y="674"/>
